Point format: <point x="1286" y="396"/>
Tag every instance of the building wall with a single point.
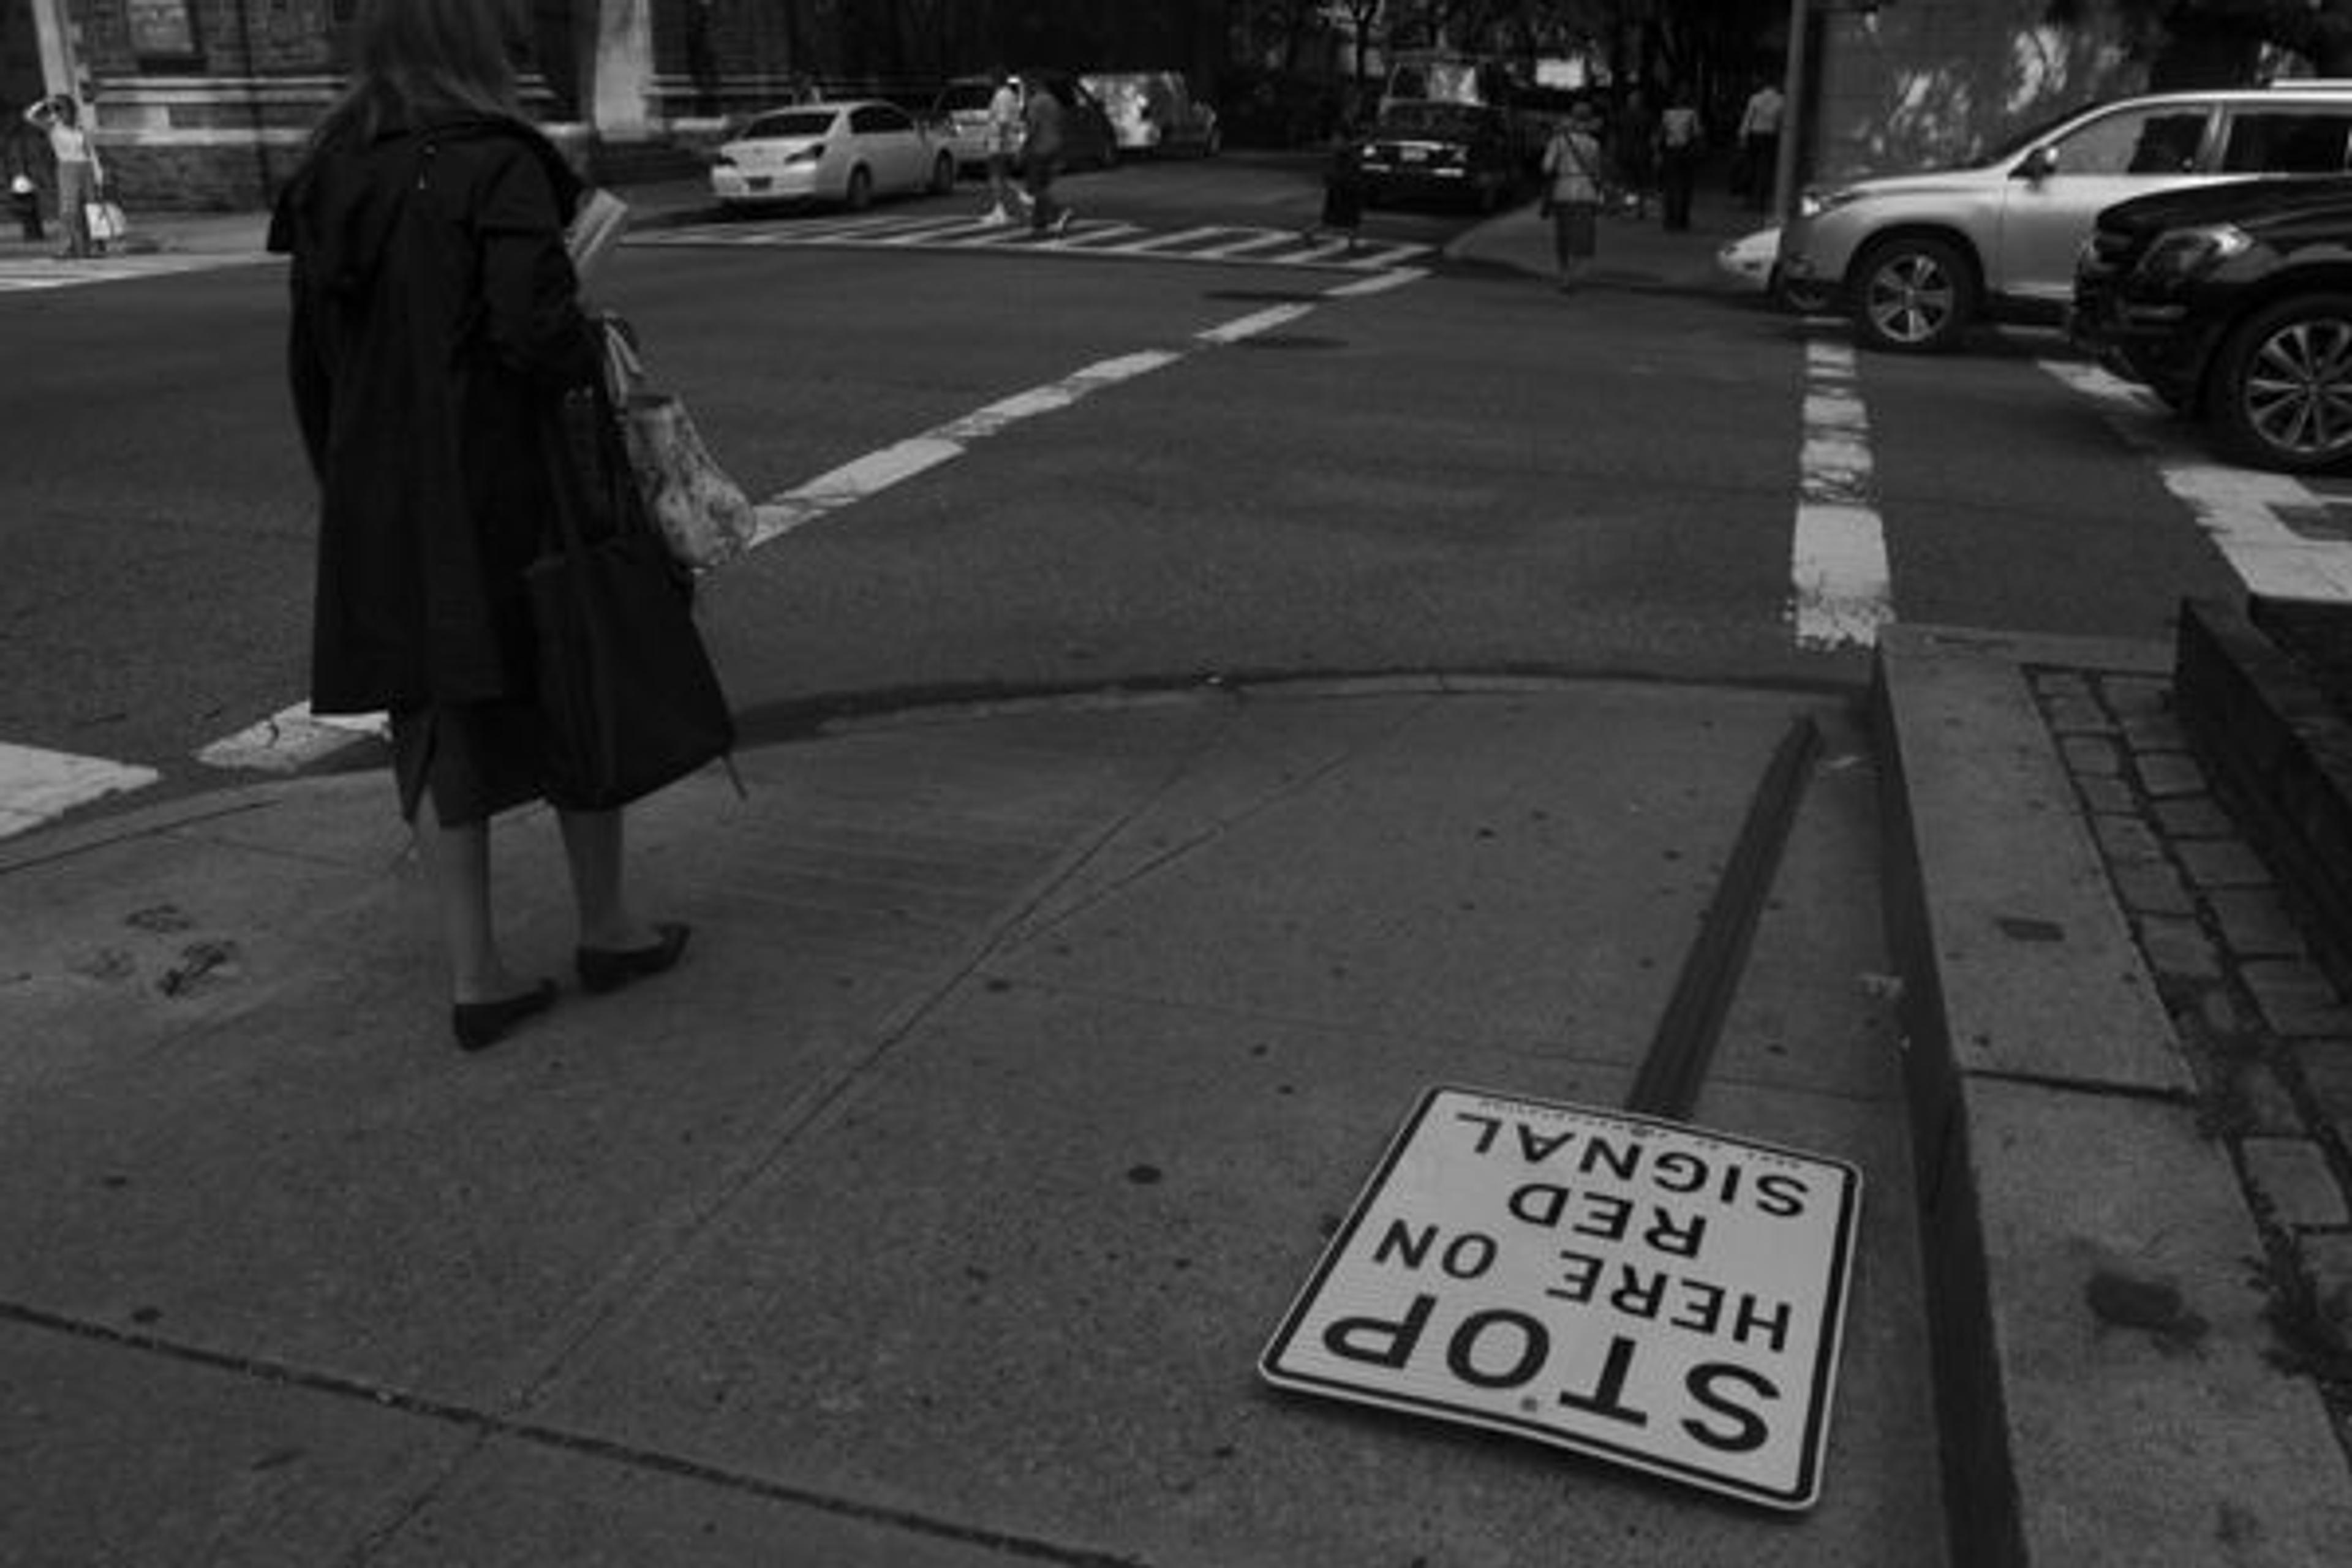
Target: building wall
<point x="205" y="103"/>
<point x="1929" y="82"/>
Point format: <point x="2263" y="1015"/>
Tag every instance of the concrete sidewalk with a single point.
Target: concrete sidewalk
<point x="936" y="1209"/>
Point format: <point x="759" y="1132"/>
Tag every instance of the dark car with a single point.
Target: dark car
<point x="1433" y="151"/>
<point x="2232" y="302"/>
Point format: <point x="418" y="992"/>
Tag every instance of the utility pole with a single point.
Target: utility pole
<point x="53" y="31"/>
<point x="1794" y="86"/>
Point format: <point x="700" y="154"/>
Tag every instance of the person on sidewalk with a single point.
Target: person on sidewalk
<point x="437" y="325"/>
<point x="1759" y="142"/>
<point x="1682" y="143"/>
<point x="1632" y="151"/>
<point x="1004" y="130"/>
<point x="1574" y="183"/>
<point x="80" y="175"/>
<point x="1041" y="158"/>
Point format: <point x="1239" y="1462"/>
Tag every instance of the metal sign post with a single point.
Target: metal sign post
<point x="1648" y="1293"/>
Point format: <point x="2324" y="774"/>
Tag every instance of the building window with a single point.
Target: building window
<point x="163" y="32"/>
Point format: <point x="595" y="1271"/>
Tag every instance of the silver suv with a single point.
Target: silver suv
<point x="1918" y="258"/>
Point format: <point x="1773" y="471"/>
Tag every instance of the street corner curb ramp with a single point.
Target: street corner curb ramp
<point x="2104" y="1379"/>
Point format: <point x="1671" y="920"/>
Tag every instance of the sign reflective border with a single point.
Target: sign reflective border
<point x="1643" y="1291"/>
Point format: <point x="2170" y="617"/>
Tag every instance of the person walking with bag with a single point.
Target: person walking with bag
<point x="1573" y="190"/>
<point x="1682" y="143"/>
<point x="81" y="176"/>
<point x="1005" y="129"/>
<point x="437" y="330"/>
<point x="1041" y="158"/>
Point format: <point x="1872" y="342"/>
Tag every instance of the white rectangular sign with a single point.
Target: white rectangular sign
<point x="1643" y="1291"/>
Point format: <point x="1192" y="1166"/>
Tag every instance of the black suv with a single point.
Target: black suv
<point x="2232" y="302"/>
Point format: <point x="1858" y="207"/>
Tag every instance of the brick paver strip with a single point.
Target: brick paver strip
<point x="2222" y="863"/>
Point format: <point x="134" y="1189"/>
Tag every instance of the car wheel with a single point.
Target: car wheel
<point x="2280" y="396"/>
<point x="859" y="194"/>
<point x="943" y="174"/>
<point x="1915" y="295"/>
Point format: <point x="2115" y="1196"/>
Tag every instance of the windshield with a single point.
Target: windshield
<point x="2015" y="144"/>
<point x="966" y="95"/>
<point x="792" y="123"/>
<point x="1454" y="119"/>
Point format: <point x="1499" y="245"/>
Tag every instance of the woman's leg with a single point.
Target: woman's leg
<point x="74" y="190"/>
<point x="457" y="867"/>
<point x="593" y="845"/>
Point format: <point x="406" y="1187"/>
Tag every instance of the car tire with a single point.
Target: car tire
<point x="1805" y="298"/>
<point x="1914" y="294"/>
<point x="858" y="194"/>
<point x="2280" y="395"/>
<point x="943" y="174"/>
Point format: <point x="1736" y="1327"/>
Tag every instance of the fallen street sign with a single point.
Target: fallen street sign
<point x="1646" y="1292"/>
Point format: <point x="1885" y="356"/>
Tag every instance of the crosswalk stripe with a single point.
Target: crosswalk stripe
<point x="36" y="785"/>
<point x="32" y="274"/>
<point x="1253" y="245"/>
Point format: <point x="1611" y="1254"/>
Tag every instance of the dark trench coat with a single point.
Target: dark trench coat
<point x="436" y="321"/>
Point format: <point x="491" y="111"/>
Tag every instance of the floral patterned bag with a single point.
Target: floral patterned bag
<point x="701" y="514"/>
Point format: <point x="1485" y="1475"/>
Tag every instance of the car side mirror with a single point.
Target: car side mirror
<point x="2038" y="164"/>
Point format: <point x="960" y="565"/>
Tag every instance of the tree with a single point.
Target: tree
<point x="2218" y="43"/>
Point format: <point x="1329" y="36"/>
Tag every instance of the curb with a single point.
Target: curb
<point x="2104" y="1365"/>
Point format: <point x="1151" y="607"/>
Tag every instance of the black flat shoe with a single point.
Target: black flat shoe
<point x="605" y="969"/>
<point x="481" y="1025"/>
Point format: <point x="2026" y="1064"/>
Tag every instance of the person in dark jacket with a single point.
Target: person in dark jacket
<point x="437" y="325"/>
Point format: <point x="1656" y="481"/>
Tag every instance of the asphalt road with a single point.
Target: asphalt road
<point x="1463" y="470"/>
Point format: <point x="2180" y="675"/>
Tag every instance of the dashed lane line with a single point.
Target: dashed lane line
<point x="2246" y="512"/>
<point x="1843" y="591"/>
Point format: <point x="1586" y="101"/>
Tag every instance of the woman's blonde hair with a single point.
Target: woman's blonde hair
<point x="413" y="57"/>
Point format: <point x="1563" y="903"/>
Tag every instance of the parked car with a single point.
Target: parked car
<point x="1918" y="258"/>
<point x="1753" y="261"/>
<point x="1155" y="112"/>
<point x="1430" y="150"/>
<point x="960" y="118"/>
<point x="850" y="151"/>
<point x="2233" y="303"/>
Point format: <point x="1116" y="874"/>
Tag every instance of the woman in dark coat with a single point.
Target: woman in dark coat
<point x="437" y="324"/>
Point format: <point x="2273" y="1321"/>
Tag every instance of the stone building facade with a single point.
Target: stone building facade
<point x="205" y="103"/>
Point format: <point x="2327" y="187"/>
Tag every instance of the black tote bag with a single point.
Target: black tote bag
<point x="626" y="689"/>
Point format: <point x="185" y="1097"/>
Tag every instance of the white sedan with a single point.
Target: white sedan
<point x="848" y="151"/>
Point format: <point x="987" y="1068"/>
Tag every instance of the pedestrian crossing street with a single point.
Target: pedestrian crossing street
<point x="1227" y="244"/>
<point x="40" y="272"/>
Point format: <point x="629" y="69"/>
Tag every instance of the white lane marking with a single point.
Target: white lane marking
<point x="2244" y="510"/>
<point x="291" y="739"/>
<point x="294" y="737"/>
<point x="28" y="274"/>
<point x="1843" y="589"/>
<point x="878" y="472"/>
<point x="35" y="785"/>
